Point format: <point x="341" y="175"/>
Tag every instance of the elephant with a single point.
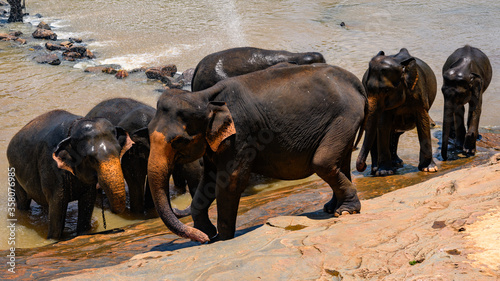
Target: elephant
<point x="134" y="116"/>
<point x="401" y="89"/>
<point x="60" y="157"/>
<point x="466" y="75"/>
<point x="285" y="123"/>
<point x="238" y="61"/>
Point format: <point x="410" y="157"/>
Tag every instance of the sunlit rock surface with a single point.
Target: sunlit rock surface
<point x="440" y="229"/>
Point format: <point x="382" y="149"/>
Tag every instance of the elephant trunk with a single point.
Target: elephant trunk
<point x="110" y="178"/>
<point x="370" y="135"/>
<point x="160" y="166"/>
<point x="448" y="121"/>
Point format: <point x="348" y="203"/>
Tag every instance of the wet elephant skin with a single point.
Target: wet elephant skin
<point x="60" y="157"/>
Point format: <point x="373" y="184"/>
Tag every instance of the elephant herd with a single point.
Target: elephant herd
<point x="279" y="114"/>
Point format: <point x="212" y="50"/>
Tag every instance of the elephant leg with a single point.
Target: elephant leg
<point x="396" y="161"/>
<point x="331" y="206"/>
<point x="58" y="206"/>
<point x="148" y="198"/>
<point x="85" y="208"/>
<point x="230" y="186"/>
<point x="374" y="155"/>
<point x="203" y="198"/>
<point x="193" y="172"/>
<point x="333" y="166"/>
<point x="134" y="175"/>
<point x="473" y="127"/>
<point x="459" y="128"/>
<point x="426" y="163"/>
<point x="384" y="129"/>
<point x="23" y="201"/>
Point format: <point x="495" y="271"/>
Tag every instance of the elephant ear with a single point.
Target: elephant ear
<point x="64" y="157"/>
<point x="124" y="140"/>
<point x="220" y="124"/>
<point x="410" y="73"/>
<point x="141" y="136"/>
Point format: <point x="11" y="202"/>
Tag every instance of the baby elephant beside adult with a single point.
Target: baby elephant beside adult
<point x="285" y="123"/>
<point x="60" y="157"/>
<point x="238" y="61"/>
<point x="134" y="116"/>
<point x="466" y="75"/>
<point x="401" y="89"/>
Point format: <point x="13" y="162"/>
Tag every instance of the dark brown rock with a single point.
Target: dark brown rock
<point x="16" y="33"/>
<point x="71" y="56"/>
<point x="121" y="74"/>
<point x="66" y="44"/>
<point x="75" y="40"/>
<point x="52" y="59"/>
<point x="109" y="70"/>
<point x="44" y="34"/>
<point x="43" y="25"/>
<point x="54" y="47"/>
<point x="89" y="54"/>
<point x="164" y="73"/>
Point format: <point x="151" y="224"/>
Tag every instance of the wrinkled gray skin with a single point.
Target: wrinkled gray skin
<point x="60" y="157"/>
<point x="296" y="121"/>
<point x="466" y="75"/>
<point x="134" y="116"/>
<point x="238" y="61"/>
<point x="401" y="89"/>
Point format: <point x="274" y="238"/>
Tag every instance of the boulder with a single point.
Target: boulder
<point x="75" y="40"/>
<point x="66" y="44"/>
<point x="43" y="25"/>
<point x="186" y="77"/>
<point x="52" y="59"/>
<point x="120" y="74"/>
<point x="54" y="47"/>
<point x="162" y="73"/>
<point x="16" y="33"/>
<point x="40" y="33"/>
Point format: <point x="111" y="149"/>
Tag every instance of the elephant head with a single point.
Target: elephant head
<point x="461" y="85"/>
<point x="92" y="153"/>
<point x="388" y="82"/>
<point x="184" y="127"/>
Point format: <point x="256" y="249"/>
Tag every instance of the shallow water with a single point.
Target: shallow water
<point x="183" y="32"/>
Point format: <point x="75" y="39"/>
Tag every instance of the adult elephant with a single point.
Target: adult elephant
<point x="285" y="123"/>
<point x="238" y="61"/>
<point x="401" y="89"/>
<point x="466" y="75"/>
<point x="59" y="157"/>
<point x="134" y="116"/>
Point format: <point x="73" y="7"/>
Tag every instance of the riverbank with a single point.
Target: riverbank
<point x="442" y="229"/>
<point x="435" y="224"/>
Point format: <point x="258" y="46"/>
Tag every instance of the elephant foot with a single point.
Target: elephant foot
<point x="432" y="168"/>
<point x="397" y="162"/>
<point x="384" y="172"/>
<point x="349" y="207"/>
<point x="331" y="206"/>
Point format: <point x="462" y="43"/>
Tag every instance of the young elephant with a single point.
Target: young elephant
<point x="285" y="123"/>
<point x="60" y="157"/>
<point x="466" y="75"/>
<point x="134" y="116"/>
<point x="238" y="61"/>
<point x="401" y="89"/>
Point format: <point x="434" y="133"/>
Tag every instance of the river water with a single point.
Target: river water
<point x="154" y="33"/>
